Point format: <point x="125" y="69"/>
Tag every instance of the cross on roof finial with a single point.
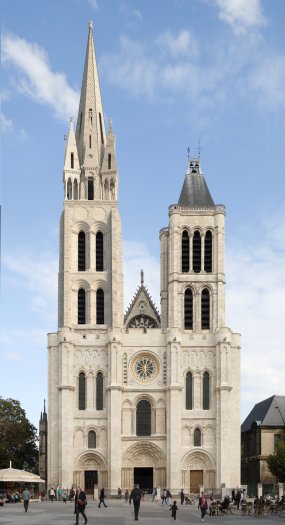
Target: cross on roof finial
<point x="199" y="149"/>
<point x="142" y="278"/>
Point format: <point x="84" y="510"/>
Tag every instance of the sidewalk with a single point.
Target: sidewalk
<point x="117" y="513"/>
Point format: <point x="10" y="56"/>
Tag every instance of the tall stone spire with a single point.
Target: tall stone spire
<point x="90" y="129"/>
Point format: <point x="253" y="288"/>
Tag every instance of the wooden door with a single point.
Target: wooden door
<point x="196" y="479"/>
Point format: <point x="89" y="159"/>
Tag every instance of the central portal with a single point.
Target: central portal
<point x="143" y="476"/>
<point x="91" y="480"/>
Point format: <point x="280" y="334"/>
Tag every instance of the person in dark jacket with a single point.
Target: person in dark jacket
<point x="102" y="498"/>
<point x="173" y="509"/>
<point x="80" y="503"/>
<point x="136" y="497"/>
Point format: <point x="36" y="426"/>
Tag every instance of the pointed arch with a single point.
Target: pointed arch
<point x="81" y="306"/>
<point x="185" y="253"/>
<point x="208" y="262"/>
<point x="188" y="309"/>
<point x="81" y="251"/>
<point x="143" y="418"/>
<point x="197" y="252"/>
<point x="99" y="391"/>
<point x="205" y="309"/>
<point x="206" y="391"/>
<point x="81" y="391"/>
<point x="99" y="252"/>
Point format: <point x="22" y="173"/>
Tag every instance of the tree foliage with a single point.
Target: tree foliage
<point x="276" y="462"/>
<point x="18" y="437"/>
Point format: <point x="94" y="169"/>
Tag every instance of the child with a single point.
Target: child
<point x="64" y="498"/>
<point x="173" y="509"/>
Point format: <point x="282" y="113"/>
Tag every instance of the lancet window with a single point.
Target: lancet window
<point x="205" y="309"/>
<point x="188" y="309"/>
<point x="197" y="437"/>
<point x="99" y="391"/>
<point x="81" y="391"/>
<point x="99" y="306"/>
<point x="81" y="306"/>
<point x="81" y="252"/>
<point x="189" y="391"/>
<point x="91" y="439"/>
<point x="208" y="262"/>
<point x="185" y="252"/>
<point x="99" y="252"/>
<point x="206" y="391"/>
<point x="196" y="251"/>
<point x="143" y="418"/>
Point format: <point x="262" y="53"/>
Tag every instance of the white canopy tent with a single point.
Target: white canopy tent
<point x="21" y="476"/>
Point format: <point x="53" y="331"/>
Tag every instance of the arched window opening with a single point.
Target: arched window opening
<point x="197" y="437"/>
<point x="90" y="116"/>
<point x="75" y="190"/>
<point x="81" y="391"/>
<point x="99" y="252"/>
<point x="112" y="190"/>
<point x="196" y="252"/>
<point x="81" y="309"/>
<point x="90" y="141"/>
<point x="90" y="189"/>
<point x="91" y="439"/>
<point x="143" y="418"/>
<point x="72" y="161"/>
<point x="205" y="309"/>
<point x="208" y="258"/>
<point x="185" y="251"/>
<point x="99" y="391"/>
<point x="81" y="252"/>
<point x="206" y="391"/>
<point x="99" y="306"/>
<point x="101" y="128"/>
<point x="69" y="190"/>
<point x="188" y="309"/>
<point x="189" y="391"/>
<point x="109" y="161"/>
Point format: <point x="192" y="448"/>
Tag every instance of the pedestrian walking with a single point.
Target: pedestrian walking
<point x="126" y="496"/>
<point x="26" y="498"/>
<point x="102" y="498"/>
<point x="136" y="497"/>
<point x="51" y="494"/>
<point x="173" y="509"/>
<point x="182" y="497"/>
<point x="80" y="503"/>
<point x="202" y="505"/>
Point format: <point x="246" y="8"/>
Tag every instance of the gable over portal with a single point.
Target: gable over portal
<point x="142" y="312"/>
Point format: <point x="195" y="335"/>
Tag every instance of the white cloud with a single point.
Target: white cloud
<point x="267" y="80"/>
<point x="241" y="15"/>
<point x="35" y="77"/>
<point x="6" y="123"/>
<point x="184" y="44"/>
<point x="138" y="14"/>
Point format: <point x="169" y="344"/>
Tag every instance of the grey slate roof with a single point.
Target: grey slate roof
<point x="195" y="191"/>
<point x="266" y="414"/>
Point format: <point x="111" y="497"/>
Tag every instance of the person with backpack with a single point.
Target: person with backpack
<point x="80" y="503"/>
<point x="136" y="497"/>
<point x="202" y="505"/>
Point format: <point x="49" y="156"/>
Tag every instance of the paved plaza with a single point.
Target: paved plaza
<point x="117" y="513"/>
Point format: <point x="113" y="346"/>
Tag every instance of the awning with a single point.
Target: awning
<point x="13" y="474"/>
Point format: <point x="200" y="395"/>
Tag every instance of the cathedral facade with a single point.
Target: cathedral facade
<point x="142" y="397"/>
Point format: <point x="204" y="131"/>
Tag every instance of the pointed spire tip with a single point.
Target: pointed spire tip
<point x="91" y="24"/>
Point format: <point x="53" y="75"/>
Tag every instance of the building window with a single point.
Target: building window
<point x="81" y="252"/>
<point x="185" y="252"/>
<point x="109" y="161"/>
<point x="99" y="391"/>
<point x="90" y="189"/>
<point x="72" y="161"/>
<point x="90" y="141"/>
<point x="277" y="439"/>
<point x="188" y="309"/>
<point x="206" y="391"/>
<point x="91" y="439"/>
<point x="69" y="190"/>
<point x="75" y="192"/>
<point x="189" y="391"/>
<point x="99" y="252"/>
<point x="196" y="252"/>
<point x="208" y="262"/>
<point x="81" y="391"/>
<point x="99" y="306"/>
<point x="143" y="418"/>
<point x="101" y="128"/>
<point x="81" y="307"/>
<point x="205" y="309"/>
<point x="197" y="437"/>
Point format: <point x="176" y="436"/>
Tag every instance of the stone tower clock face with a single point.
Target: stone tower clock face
<point x="145" y="367"/>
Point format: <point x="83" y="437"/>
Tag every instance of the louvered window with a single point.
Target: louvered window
<point x="81" y="391"/>
<point x="206" y="391"/>
<point x="189" y="391"/>
<point x="99" y="252"/>
<point x="81" y="306"/>
<point x="99" y="306"/>
<point x="91" y="439"/>
<point x="99" y="391"/>
<point x="208" y="263"/>
<point x="185" y="251"/>
<point x="205" y="309"/>
<point x="143" y="418"/>
<point x="188" y="309"/>
<point x="81" y="252"/>
<point x="197" y="437"/>
<point x="196" y="252"/>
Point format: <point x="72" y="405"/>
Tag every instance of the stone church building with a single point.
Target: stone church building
<point x="142" y="397"/>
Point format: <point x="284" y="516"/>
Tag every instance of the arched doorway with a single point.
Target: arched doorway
<point x="143" y="464"/>
<point x="90" y="472"/>
<point x="198" y="469"/>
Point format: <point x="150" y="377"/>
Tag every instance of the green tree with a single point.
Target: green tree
<point x="18" y="437"/>
<point x="276" y="462"/>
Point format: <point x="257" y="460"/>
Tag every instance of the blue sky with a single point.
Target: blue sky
<point x="172" y="72"/>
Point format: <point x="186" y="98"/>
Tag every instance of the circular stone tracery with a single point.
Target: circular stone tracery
<point x="145" y="367"/>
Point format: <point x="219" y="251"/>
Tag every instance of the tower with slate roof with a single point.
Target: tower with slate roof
<point x="143" y="398"/>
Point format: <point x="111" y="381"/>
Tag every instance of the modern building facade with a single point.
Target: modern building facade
<point x="146" y="397"/>
<point x="261" y="430"/>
